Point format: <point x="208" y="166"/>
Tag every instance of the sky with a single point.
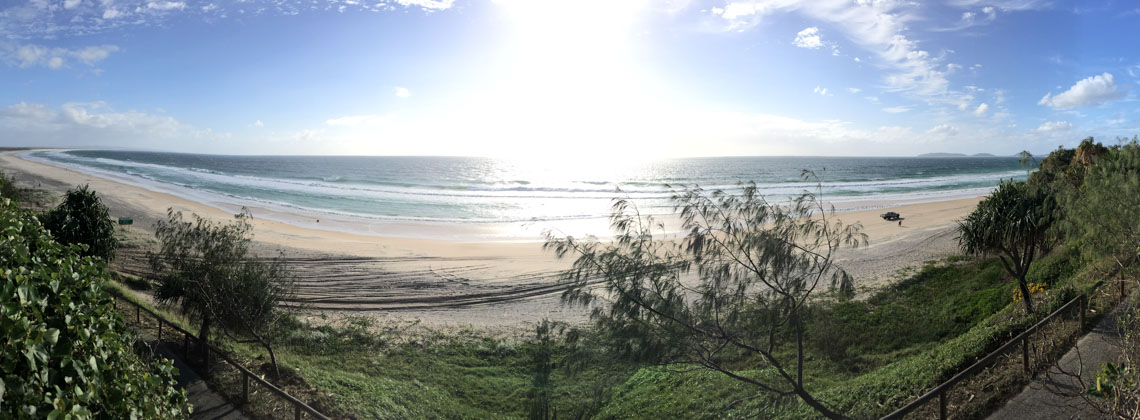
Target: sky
<point x="569" y="79"/>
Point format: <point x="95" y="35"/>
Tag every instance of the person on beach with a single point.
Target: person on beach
<point x="900" y="223"/>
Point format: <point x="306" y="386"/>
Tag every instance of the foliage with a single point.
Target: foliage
<point x="1034" y="288"/>
<point x="1117" y="386"/>
<point x="939" y="302"/>
<point x="1013" y="222"/>
<point x="1105" y="213"/>
<point x="540" y="393"/>
<point x="83" y="219"/>
<point x="207" y="270"/>
<point x="757" y="264"/>
<point x="9" y="190"/>
<point x="65" y="348"/>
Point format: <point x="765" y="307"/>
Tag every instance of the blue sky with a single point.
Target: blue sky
<point x="562" y="78"/>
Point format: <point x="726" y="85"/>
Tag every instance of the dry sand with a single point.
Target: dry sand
<point x="456" y="283"/>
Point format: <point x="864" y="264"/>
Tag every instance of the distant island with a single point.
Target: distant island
<point x="956" y="155"/>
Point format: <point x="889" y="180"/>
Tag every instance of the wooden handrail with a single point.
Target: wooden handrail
<point x="298" y="405"/>
<point x="940" y="390"/>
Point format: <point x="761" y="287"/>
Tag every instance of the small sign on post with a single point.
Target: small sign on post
<point x="126" y="221"/>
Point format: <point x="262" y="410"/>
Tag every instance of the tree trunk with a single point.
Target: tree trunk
<point x="1025" y="296"/>
<point x="818" y="406"/>
<point x="204" y="343"/>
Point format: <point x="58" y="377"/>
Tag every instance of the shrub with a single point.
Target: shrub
<point x="82" y="219"/>
<point x="65" y="349"/>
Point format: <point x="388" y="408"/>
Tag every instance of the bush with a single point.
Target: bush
<point x="82" y="219"/>
<point x="65" y="348"/>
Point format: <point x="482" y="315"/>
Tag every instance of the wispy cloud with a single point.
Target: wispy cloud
<point x="42" y="19"/>
<point x="77" y="124"/>
<point x="401" y="92"/>
<point x="1052" y="126"/>
<point x="34" y="55"/>
<point x="877" y="26"/>
<point x="943" y="130"/>
<point x="896" y="109"/>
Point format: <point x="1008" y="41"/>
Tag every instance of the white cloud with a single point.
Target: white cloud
<point x="877" y="26"/>
<point x="821" y="91"/>
<point x="1052" y="126"/>
<point x="896" y="109"/>
<point x="428" y="4"/>
<point x="853" y="90"/>
<point x="258" y="123"/>
<point x="31" y="55"/>
<point x="1094" y="90"/>
<point x="402" y="92"/>
<point x="86" y="124"/>
<point x="42" y="19"/>
<point x="165" y="5"/>
<point x="982" y="109"/>
<point x="943" y="130"/>
<point x="808" y="38"/>
<point x="1005" y="5"/>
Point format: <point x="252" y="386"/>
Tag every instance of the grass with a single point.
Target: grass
<point x="900" y="341"/>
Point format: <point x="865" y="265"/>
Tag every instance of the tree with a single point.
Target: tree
<point x="83" y="219"/>
<point x="756" y="264"/>
<point x="206" y="269"/>
<point x="1105" y="212"/>
<point x="1013" y="222"/>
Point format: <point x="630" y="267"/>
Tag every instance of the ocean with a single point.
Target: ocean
<point x="485" y="190"/>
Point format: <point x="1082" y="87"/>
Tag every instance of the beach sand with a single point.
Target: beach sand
<point x="458" y="283"/>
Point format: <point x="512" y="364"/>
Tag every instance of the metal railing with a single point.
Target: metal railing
<point x="298" y="406"/>
<point x="1021" y="340"/>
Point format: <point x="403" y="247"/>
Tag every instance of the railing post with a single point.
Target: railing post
<point x="1025" y="354"/>
<point x="186" y="347"/>
<point x="244" y="388"/>
<point x="159" y="328"/>
<point x="1084" y="307"/>
<point x="296" y="412"/>
<point x="138" y="314"/>
<point x="942" y="405"/>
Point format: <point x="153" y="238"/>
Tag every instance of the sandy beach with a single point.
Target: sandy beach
<point x="451" y="282"/>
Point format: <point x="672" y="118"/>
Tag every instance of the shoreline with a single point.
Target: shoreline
<point x="454" y="282"/>
<point x="521" y="228"/>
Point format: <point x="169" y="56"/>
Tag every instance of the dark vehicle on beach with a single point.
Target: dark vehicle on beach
<point x="890" y="215"/>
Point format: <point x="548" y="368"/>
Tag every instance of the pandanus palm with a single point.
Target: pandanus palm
<point x="1013" y="222"/>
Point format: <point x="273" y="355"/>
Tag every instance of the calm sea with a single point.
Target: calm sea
<point x="476" y="190"/>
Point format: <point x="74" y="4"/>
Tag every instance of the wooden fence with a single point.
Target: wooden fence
<point x="299" y="407"/>
<point x="1021" y="341"/>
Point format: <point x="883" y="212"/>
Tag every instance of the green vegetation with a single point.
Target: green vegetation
<point x="1014" y="223"/>
<point x="66" y="353"/>
<point x="207" y="270"/>
<point x="756" y="263"/>
<point x="82" y="219"/>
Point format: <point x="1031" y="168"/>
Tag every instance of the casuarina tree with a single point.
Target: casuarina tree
<point x="207" y="270"/>
<point x="730" y="296"/>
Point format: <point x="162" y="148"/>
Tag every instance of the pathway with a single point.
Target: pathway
<point x="1058" y="393"/>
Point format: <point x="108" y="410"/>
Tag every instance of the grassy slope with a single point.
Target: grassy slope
<point x="891" y="346"/>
